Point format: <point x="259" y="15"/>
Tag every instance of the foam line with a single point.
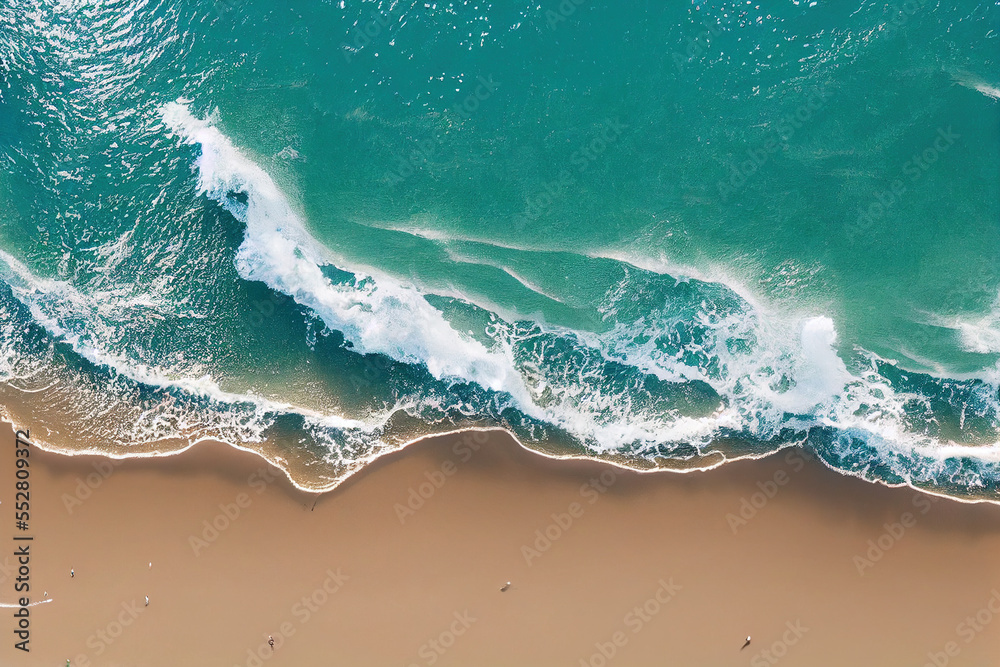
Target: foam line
<point x="792" y="377"/>
<point x="376" y="314"/>
<point x="7" y="605"/>
<point x="777" y="375"/>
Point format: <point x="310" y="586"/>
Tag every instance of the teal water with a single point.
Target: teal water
<point x="674" y="236"/>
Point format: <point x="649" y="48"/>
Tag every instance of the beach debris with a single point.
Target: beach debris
<point x="503" y="589"/>
<point x="746" y="643"/>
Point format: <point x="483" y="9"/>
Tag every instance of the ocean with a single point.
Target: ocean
<point x="665" y="235"/>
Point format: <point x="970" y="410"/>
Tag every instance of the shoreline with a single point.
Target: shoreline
<point x="363" y="466"/>
<point x="227" y="549"/>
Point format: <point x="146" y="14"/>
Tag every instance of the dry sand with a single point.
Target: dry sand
<point x="651" y="562"/>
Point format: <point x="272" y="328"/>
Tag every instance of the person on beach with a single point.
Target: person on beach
<point x="270" y="642"/>
<point x="746" y="643"/>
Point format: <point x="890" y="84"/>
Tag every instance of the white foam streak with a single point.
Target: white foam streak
<point x="681" y="272"/>
<point x="982" y="336"/>
<point x="445" y="238"/>
<point x="376" y="315"/>
<point x="9" y="605"/>
<point x="773" y="371"/>
<point x="527" y="284"/>
<point x="73" y="303"/>
<point x="952" y="450"/>
<point x="979" y="334"/>
<point x="988" y="90"/>
<point x="820" y="374"/>
<point x="978" y="84"/>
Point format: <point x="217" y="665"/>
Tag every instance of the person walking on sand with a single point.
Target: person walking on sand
<point x="746" y="643"/>
<point x="270" y="642"/>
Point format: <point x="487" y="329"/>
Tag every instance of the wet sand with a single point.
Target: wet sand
<point x="403" y="564"/>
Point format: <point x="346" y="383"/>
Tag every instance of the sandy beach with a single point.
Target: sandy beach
<point x="404" y="564"/>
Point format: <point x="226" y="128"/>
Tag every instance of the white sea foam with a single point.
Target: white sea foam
<point x="977" y="83"/>
<point x="109" y="412"/>
<point x="74" y="304"/>
<point x="790" y="377"/>
<point x="981" y="334"/>
<point x="10" y="605"/>
<point x="976" y="333"/>
<point x="988" y="90"/>
<point x="820" y="374"/>
<point x="376" y="314"/>
<point x="421" y="230"/>
<point x="466" y="259"/>
<point x="663" y="265"/>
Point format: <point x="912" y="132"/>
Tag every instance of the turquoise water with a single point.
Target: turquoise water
<point x="674" y="236"/>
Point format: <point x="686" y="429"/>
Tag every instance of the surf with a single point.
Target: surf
<point x="779" y="383"/>
<point x="690" y="370"/>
